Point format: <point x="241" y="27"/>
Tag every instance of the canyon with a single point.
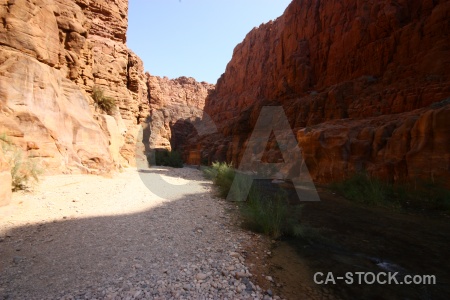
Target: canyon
<point x="53" y="55"/>
<point x="365" y="88"/>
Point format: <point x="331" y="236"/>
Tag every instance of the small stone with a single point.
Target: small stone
<point x="240" y="275"/>
<point x="234" y="254"/>
<point x="269" y="278"/>
<point x="201" y="276"/>
<point x="17" y="259"/>
<point x="136" y="294"/>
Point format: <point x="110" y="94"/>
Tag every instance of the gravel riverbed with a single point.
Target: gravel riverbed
<point x="133" y="236"/>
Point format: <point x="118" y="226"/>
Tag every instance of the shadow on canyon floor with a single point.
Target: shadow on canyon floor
<point x="347" y="237"/>
<point x="41" y="259"/>
<point x="48" y="259"/>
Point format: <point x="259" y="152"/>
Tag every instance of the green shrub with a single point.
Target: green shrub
<point x="422" y="194"/>
<point x="264" y="211"/>
<point x="208" y="172"/>
<point x="23" y="170"/>
<point x="364" y="189"/>
<point x="168" y="159"/>
<point x="372" y="191"/>
<point x="270" y="213"/>
<point x="222" y="175"/>
<point x="107" y="104"/>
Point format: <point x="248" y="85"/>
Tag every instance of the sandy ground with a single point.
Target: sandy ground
<point x="156" y="233"/>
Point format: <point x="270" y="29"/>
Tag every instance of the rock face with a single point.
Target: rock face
<point x="363" y="87"/>
<point x="175" y="104"/>
<point x="52" y="54"/>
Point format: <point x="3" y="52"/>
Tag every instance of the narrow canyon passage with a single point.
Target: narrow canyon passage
<point x="85" y="237"/>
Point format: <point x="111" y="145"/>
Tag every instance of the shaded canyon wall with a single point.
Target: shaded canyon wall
<point x="365" y="86"/>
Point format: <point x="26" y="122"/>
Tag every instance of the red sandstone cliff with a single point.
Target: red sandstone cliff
<point x="361" y="84"/>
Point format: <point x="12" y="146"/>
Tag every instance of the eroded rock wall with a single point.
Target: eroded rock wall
<point x="175" y="104"/>
<point x="360" y="83"/>
<point x="52" y="54"/>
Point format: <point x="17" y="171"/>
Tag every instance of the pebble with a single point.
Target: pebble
<point x="201" y="276"/>
<point x="234" y="254"/>
<point x="242" y="275"/>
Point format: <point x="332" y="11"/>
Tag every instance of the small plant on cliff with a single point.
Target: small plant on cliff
<point x="106" y="104"/>
<point x="23" y="170"/>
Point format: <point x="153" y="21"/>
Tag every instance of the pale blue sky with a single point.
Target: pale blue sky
<point x="194" y="37"/>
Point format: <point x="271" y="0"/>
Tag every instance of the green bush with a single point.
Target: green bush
<point x="270" y="213"/>
<point x="264" y="211"/>
<point x="169" y="159"/>
<point x="422" y="194"/>
<point x="372" y="191"/>
<point x="23" y="170"/>
<point x="222" y="175"/>
<point x="364" y="189"/>
<point x="107" y="104"/>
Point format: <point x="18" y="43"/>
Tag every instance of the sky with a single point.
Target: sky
<point x="194" y="38"/>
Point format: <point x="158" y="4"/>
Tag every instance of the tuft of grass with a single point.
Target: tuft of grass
<point x="106" y="104"/>
<point x="23" y="170"/>
<point x="222" y="174"/>
<point x="264" y="211"/>
<point x="423" y="194"/>
<point x="372" y="191"/>
<point x="367" y="190"/>
<point x="270" y="213"/>
<point x="169" y="159"/>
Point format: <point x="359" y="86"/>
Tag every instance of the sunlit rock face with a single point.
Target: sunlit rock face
<point x="364" y="87"/>
<point x="52" y="54"/>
